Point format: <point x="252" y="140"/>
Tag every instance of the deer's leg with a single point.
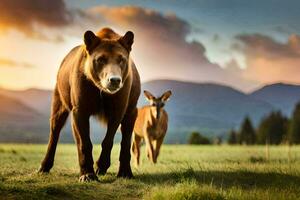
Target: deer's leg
<point x="127" y="126"/>
<point x="135" y="148"/>
<point x="59" y="115"/>
<point x="80" y="126"/>
<point x="149" y="148"/>
<point x="157" y="145"/>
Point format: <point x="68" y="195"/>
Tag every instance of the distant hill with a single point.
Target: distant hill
<point x="19" y="122"/>
<point x="209" y="108"/>
<point x="12" y="111"/>
<point x="212" y="109"/>
<point x="280" y="95"/>
<point x="37" y="99"/>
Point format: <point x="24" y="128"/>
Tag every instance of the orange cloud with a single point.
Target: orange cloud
<point x="270" y="61"/>
<point x="11" y="63"/>
<point x="160" y="48"/>
<point x="26" y="15"/>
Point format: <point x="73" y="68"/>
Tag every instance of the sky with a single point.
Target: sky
<point x="243" y="44"/>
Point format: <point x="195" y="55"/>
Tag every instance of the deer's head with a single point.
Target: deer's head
<point x="157" y="102"/>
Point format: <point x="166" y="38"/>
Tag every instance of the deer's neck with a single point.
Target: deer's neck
<point x="155" y="116"/>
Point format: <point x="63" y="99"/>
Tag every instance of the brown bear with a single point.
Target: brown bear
<point x="98" y="79"/>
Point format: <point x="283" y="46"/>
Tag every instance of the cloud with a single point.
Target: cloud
<point x="161" y="49"/>
<point x="233" y="66"/>
<point x="282" y="30"/>
<point x="268" y="60"/>
<point x="157" y="24"/>
<point x="28" y="16"/>
<point x="216" y="38"/>
<point x="4" y="62"/>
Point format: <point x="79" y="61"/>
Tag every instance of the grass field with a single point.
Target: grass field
<point x="182" y="172"/>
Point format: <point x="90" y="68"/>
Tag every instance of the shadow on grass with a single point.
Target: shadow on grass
<point x="224" y="179"/>
<point x="55" y="191"/>
<point x="45" y="192"/>
<point x="109" y="187"/>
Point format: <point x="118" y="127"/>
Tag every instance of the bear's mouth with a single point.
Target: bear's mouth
<point x="109" y="89"/>
<point x="113" y="90"/>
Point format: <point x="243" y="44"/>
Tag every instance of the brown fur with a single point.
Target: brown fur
<point x="151" y="125"/>
<point x="82" y="89"/>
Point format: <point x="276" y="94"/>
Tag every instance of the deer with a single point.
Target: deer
<point x="151" y="126"/>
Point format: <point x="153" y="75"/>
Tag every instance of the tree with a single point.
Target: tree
<point x="197" y="138"/>
<point x="294" y="128"/>
<point x="247" y="132"/>
<point x="272" y="129"/>
<point x="232" y="139"/>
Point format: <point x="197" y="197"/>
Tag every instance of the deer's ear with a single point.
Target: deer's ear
<point x="166" y="95"/>
<point x="148" y="95"/>
<point x="91" y="41"/>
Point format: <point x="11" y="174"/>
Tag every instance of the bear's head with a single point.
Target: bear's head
<point x="107" y="60"/>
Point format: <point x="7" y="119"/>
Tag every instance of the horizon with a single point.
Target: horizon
<point x="176" y="80"/>
<point x="207" y="44"/>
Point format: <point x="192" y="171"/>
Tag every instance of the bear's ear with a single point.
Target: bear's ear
<point x="127" y="40"/>
<point x="90" y="41"/>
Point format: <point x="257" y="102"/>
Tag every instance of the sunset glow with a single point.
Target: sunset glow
<point x="169" y="43"/>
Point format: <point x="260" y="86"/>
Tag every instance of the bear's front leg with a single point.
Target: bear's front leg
<point x="80" y="126"/>
<point x="103" y="163"/>
<point x="126" y="129"/>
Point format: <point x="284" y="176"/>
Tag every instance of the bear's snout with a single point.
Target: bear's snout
<point x="115" y="81"/>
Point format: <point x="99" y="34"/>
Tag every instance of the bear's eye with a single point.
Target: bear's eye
<point x="102" y="60"/>
<point x="121" y="60"/>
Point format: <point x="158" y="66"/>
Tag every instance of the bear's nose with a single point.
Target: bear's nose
<point x="115" y="80"/>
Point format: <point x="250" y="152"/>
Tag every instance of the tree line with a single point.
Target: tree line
<point x="274" y="128"/>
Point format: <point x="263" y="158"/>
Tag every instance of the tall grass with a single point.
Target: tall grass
<point x="182" y="172"/>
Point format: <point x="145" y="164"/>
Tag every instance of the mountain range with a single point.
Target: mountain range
<point x="209" y="108"/>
